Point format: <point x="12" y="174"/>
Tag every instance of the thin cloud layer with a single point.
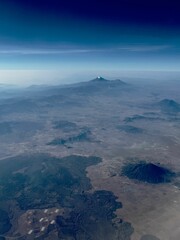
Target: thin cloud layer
<point x="24" y="51"/>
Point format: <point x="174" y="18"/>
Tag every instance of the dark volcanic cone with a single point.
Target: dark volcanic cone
<point x="147" y="172"/>
<point x="149" y="237"/>
<point x="169" y="105"/>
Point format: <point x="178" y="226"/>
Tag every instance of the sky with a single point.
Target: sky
<point x="70" y="38"/>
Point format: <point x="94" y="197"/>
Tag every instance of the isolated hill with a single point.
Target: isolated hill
<point x="80" y="137"/>
<point x="65" y="125"/>
<point x="130" y="129"/>
<point x="149" y="237"/>
<point x="138" y="117"/>
<point x="147" y="172"/>
<point x="169" y="105"/>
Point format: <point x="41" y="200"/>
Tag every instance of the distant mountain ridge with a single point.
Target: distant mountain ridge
<point x="35" y="97"/>
<point x="100" y="79"/>
<point x="98" y="84"/>
<point x="95" y="84"/>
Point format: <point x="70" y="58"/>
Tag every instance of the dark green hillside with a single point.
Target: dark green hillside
<point x="41" y="181"/>
<point x="5" y="224"/>
<point x="147" y="172"/>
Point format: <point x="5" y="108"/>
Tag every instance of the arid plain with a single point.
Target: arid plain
<point x="115" y="123"/>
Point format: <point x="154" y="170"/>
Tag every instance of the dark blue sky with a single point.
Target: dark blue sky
<point x="90" y="35"/>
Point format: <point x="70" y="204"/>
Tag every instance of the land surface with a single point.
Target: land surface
<point x="63" y="151"/>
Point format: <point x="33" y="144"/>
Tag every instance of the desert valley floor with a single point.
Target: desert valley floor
<point x="90" y="161"/>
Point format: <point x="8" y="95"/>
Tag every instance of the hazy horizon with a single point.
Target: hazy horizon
<point x="95" y="38"/>
<point x="55" y="77"/>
